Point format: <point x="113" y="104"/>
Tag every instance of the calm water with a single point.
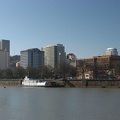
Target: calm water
<point x="18" y="103"/>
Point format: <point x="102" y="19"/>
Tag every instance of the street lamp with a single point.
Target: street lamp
<point x="59" y="59"/>
<point x="59" y="62"/>
<point x="47" y="61"/>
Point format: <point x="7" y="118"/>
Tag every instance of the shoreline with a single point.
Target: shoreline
<point x="71" y="83"/>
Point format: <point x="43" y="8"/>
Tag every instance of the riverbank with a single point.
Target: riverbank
<point x="93" y="83"/>
<point x="10" y="82"/>
<point x="71" y="83"/>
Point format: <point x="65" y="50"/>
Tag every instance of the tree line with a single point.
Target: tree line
<point x="43" y="72"/>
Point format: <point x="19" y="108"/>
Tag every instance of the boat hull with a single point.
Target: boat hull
<point x="34" y="84"/>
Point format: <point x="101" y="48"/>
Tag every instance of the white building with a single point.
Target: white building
<point x="111" y="51"/>
<point x="17" y="64"/>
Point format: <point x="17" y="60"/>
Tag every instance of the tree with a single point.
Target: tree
<point x="7" y="73"/>
<point x="31" y="72"/>
<point x="65" y="70"/>
<point x="18" y="72"/>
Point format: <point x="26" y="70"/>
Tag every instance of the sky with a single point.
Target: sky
<point x="85" y="27"/>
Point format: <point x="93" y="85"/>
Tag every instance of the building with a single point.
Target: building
<point x="4" y="53"/>
<point x="54" y="55"/>
<point x="98" y="67"/>
<point x="32" y="57"/>
<point x="111" y="51"/>
<point x="71" y="59"/>
<point x="5" y="45"/>
<point x="71" y="56"/>
<point x="4" y="59"/>
<point x="17" y="64"/>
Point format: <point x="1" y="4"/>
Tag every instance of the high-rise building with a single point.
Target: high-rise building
<point x="5" y="45"/>
<point x="4" y="53"/>
<point x="32" y="57"/>
<point x="4" y="59"/>
<point x="54" y="55"/>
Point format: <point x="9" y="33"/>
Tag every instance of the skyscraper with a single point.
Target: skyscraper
<point x="32" y="57"/>
<point x="5" y="45"/>
<point x="54" y="55"/>
<point x="4" y="53"/>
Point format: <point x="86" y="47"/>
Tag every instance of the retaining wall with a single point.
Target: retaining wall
<point x="72" y="83"/>
<point x="93" y="83"/>
<point x="10" y="82"/>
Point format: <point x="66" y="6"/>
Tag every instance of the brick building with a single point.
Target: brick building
<point x="99" y="67"/>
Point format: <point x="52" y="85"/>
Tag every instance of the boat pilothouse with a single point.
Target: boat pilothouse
<point x="33" y="83"/>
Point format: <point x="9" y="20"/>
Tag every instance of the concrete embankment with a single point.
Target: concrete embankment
<point x="93" y="83"/>
<point x="71" y="83"/>
<point x="10" y="82"/>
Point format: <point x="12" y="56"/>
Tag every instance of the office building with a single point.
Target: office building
<point x="4" y="59"/>
<point x="54" y="55"/>
<point x="4" y="53"/>
<point x="32" y="58"/>
<point x="5" y="45"/>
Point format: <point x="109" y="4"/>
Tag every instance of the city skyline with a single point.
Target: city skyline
<point x="86" y="28"/>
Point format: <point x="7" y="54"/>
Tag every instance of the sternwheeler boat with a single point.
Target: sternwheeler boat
<point x="29" y="82"/>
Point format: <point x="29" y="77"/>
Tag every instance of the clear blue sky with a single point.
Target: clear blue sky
<point x="85" y="27"/>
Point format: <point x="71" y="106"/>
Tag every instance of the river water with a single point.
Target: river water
<point x="17" y="103"/>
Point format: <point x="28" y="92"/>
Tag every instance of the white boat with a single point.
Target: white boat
<point x="33" y="83"/>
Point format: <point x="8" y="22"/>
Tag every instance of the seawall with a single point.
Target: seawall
<point x="93" y="83"/>
<point x="10" y="82"/>
<point x="71" y="83"/>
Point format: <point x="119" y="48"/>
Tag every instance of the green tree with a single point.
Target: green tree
<point x="18" y="72"/>
<point x="31" y="72"/>
<point x="7" y="73"/>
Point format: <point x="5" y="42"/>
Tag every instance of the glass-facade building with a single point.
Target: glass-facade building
<point x="54" y="55"/>
<point x="32" y="58"/>
<point x="5" y="45"/>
